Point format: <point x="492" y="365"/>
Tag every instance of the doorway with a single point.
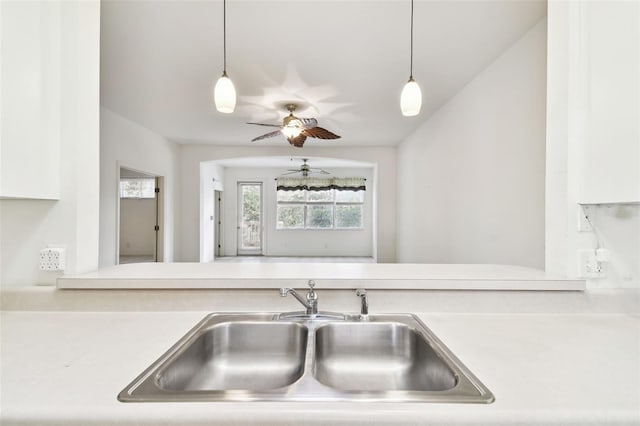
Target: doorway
<point x="140" y="215"/>
<point x="250" y="218"/>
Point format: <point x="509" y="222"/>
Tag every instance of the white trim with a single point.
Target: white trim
<point x="243" y="251"/>
<point x="224" y="275"/>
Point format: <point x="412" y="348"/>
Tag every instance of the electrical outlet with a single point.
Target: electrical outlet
<point x="589" y="266"/>
<point x="52" y="259"/>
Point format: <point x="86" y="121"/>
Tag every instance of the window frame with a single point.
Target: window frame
<point x="142" y="195"/>
<point x="333" y="203"/>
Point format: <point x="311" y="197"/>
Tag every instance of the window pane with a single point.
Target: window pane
<point x="251" y="203"/>
<point x="137" y="187"/>
<point x="320" y="195"/>
<point x="349" y="216"/>
<point x="290" y="217"/>
<point x="349" y="196"/>
<point x="319" y="217"/>
<point x="291" y="195"/>
<point x="251" y="230"/>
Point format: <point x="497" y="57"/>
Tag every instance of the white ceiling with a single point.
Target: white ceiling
<point x="286" y="162"/>
<point x="346" y="60"/>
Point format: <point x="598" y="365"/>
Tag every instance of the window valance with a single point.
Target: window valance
<point x="321" y="183"/>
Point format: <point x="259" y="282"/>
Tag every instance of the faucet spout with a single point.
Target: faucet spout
<point x="310" y="302"/>
<point x="285" y="291"/>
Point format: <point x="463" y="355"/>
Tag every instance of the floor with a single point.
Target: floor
<point x="136" y="259"/>
<point x="263" y="259"/>
<point x="283" y="259"/>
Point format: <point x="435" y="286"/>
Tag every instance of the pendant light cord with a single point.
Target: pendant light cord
<point x="411" y="59"/>
<point x="224" y="35"/>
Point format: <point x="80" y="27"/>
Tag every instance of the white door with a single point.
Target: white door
<point x="249" y="218"/>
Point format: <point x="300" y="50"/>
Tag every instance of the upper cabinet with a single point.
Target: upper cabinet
<point x="30" y="56"/>
<point x="610" y="46"/>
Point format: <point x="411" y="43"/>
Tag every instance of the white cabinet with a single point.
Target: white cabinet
<point x="30" y="96"/>
<point x="611" y="60"/>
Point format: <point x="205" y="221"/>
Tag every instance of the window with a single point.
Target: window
<point x="137" y="187"/>
<point x="250" y="217"/>
<point x="327" y="209"/>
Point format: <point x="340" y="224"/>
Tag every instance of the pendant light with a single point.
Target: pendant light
<point x="224" y="93"/>
<point x="411" y="97"/>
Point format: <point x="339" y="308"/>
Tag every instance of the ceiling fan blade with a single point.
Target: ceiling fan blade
<point x="323" y="172"/>
<point x="308" y="123"/>
<point x="268" y="125"/>
<point x="320" y="133"/>
<point x="291" y="173"/>
<point x="298" y="141"/>
<point x="267" y="135"/>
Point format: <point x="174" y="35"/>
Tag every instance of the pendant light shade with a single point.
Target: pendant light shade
<point x="224" y="93"/>
<point x="411" y="97"/>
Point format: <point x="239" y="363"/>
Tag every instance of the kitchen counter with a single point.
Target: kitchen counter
<point x="405" y="276"/>
<point x="66" y="368"/>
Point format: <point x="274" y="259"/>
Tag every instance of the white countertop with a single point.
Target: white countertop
<point x="67" y="368"/>
<point x="327" y="275"/>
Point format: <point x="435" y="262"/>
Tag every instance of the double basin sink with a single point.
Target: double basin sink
<point x="271" y="357"/>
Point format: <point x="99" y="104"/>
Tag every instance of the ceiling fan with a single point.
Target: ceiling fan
<point x="305" y="170"/>
<point x="296" y="129"/>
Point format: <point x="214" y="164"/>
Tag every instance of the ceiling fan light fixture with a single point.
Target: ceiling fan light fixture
<point x="292" y="127"/>
<point x="224" y="94"/>
<point x="291" y="132"/>
<point x="296" y="130"/>
<point x="411" y="99"/>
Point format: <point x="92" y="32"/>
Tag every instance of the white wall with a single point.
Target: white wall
<point x="137" y="218"/>
<point x="211" y="179"/>
<point x="127" y="144"/>
<point x="384" y="157"/>
<point x="29" y="225"/>
<point x="471" y="178"/>
<point x="579" y="73"/>
<point x="295" y="242"/>
<point x="617" y="229"/>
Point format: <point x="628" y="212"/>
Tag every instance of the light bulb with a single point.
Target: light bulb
<point x="411" y="99"/>
<point x="291" y="131"/>
<point x="224" y="94"/>
<point x="292" y="127"/>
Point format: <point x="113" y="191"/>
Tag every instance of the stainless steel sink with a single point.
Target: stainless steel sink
<point x="238" y="355"/>
<point x="261" y="357"/>
<point x="383" y="356"/>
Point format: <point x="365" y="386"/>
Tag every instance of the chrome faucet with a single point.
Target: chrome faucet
<point x="311" y="302"/>
<point x="364" y="307"/>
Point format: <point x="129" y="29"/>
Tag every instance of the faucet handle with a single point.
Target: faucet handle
<point x="312" y="296"/>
